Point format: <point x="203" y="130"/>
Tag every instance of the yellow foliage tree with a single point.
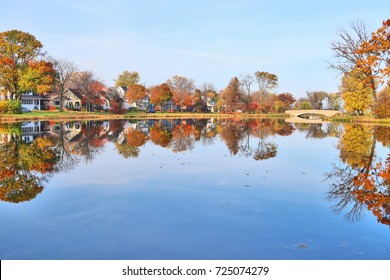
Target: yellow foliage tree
<point x="356" y="92"/>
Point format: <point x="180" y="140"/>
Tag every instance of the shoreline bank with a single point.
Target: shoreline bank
<point x="68" y="116"/>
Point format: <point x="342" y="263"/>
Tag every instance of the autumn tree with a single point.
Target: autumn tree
<point x="246" y="82"/>
<point x="21" y="66"/>
<point x="136" y="93"/>
<point x="182" y="89"/>
<point x="160" y="95"/>
<point x="64" y="70"/>
<point x="382" y="107"/>
<point x="287" y="99"/>
<point x="90" y="86"/>
<point x="302" y="104"/>
<point x="349" y="41"/>
<point x="333" y="101"/>
<point x="355" y="92"/>
<point x="232" y="95"/>
<point x="374" y="55"/>
<point x="127" y="78"/>
<point x="316" y="98"/>
<point x="348" y="54"/>
<point x="198" y="100"/>
<point x="266" y="82"/>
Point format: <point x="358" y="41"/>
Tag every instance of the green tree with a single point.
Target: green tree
<point x="127" y="78"/>
<point x="302" y="104"/>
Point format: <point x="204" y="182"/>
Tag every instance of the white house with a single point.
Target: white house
<point x="31" y="101"/>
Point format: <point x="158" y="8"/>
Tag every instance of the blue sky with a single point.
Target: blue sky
<point x="206" y="40"/>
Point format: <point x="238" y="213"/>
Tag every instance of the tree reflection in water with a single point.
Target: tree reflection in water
<point x="239" y="135"/>
<point x="363" y="181"/>
<point x="23" y="167"/>
<point x="31" y="152"/>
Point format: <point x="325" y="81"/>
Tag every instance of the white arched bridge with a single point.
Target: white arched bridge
<point x="295" y="115"/>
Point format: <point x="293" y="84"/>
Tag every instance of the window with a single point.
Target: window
<point x="77" y="104"/>
<point x="27" y="101"/>
<point x="56" y="103"/>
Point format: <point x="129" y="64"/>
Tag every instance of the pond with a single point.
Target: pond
<point x="194" y="189"/>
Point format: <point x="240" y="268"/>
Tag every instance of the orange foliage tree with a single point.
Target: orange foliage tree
<point x="136" y="93"/>
<point x="232" y="95"/>
<point x="182" y="89"/>
<point x="377" y="53"/>
<point x="160" y="95"/>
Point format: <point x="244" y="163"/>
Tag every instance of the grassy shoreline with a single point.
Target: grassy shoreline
<point x="67" y="116"/>
<point x="359" y="119"/>
<point x="50" y="115"/>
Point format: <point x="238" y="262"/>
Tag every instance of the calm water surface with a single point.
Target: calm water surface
<point x="194" y="189"/>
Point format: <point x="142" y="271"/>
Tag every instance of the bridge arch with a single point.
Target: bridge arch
<point x="297" y="113"/>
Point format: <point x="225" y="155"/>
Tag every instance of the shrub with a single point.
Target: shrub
<point x="3" y="106"/>
<point x="10" y="107"/>
<point x="116" y="108"/>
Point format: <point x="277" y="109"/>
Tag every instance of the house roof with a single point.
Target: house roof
<point x="76" y="93"/>
<point x="50" y="95"/>
<point x="112" y="94"/>
<point x="31" y="96"/>
<point x="116" y="88"/>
